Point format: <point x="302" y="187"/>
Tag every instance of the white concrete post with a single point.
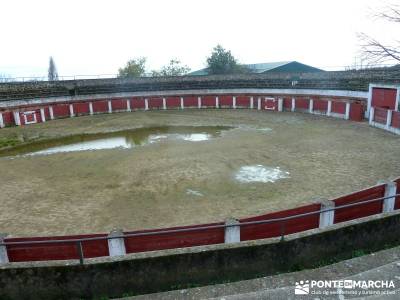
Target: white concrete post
<point x="311" y="106"/>
<point x="216" y="102"/>
<point x="71" y="111"/>
<point x="182" y="103"/>
<point x="326" y="218"/>
<point x="329" y="109"/>
<point x="1" y="121"/>
<point x="280" y="104"/>
<point x="17" y="118"/>
<point x="397" y="104"/>
<point x="164" y="103"/>
<point x="128" y="105"/>
<point x="3" y="250"/>
<point x="232" y="232"/>
<point x="116" y="246"/>
<point x="234" y="101"/>
<point x="259" y="103"/>
<point x="109" y="107"/>
<point x="390" y="191"/>
<point x="199" y="102"/>
<point x="42" y="115"/>
<point x="293" y="104"/>
<point x="251" y="102"/>
<point x="51" y="112"/>
<point x="369" y="101"/>
<point x="146" y="104"/>
<point x="389" y="118"/>
<point x="90" y="108"/>
<point x="347" y="114"/>
<point x="371" y="115"/>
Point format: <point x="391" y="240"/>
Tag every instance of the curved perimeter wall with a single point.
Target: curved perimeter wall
<point x="342" y="104"/>
<point x="348" y="105"/>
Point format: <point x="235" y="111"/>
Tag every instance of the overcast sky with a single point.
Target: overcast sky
<point x="98" y="37"/>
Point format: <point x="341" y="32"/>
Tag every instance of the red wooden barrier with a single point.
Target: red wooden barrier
<point x="338" y="107"/>
<point x="118" y="105"/>
<point x="384" y="98"/>
<point x="61" y="110"/>
<point x="359" y="211"/>
<point x="380" y="115"/>
<point x="302" y="103"/>
<point x="269" y="104"/>
<point x="287" y="103"/>
<point x="155" y="103"/>
<point x="357" y="111"/>
<point x="174" y="240"/>
<point x="173" y="102"/>
<point x="30" y="116"/>
<point x="225" y="101"/>
<point x="138" y="103"/>
<point x="243" y="101"/>
<point x="208" y="101"/>
<point x="320" y="105"/>
<point x="100" y="106"/>
<point x="396" y="119"/>
<point x="190" y="101"/>
<point x="35" y="252"/>
<point x="8" y="118"/>
<point x="397" y="203"/>
<point x="81" y="108"/>
<point x="261" y="231"/>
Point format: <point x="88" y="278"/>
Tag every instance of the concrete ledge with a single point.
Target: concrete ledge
<point x="316" y="92"/>
<point x="162" y="270"/>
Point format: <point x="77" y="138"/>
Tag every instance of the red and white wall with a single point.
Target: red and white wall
<point x="384" y="107"/>
<point x="341" y="104"/>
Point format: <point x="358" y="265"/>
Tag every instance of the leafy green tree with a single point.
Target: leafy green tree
<point x="174" y="68"/>
<point x="134" y="68"/>
<point x="222" y="61"/>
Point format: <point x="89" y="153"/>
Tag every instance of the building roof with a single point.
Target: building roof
<point x="280" y="66"/>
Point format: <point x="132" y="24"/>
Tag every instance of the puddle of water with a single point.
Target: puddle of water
<point x="121" y="140"/>
<point x="110" y="143"/>
<point x="194" y="193"/>
<point x="194" y="137"/>
<point x="259" y="173"/>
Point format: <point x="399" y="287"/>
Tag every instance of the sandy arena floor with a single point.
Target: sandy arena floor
<point x="146" y="187"/>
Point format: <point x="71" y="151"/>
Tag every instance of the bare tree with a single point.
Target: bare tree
<point x="53" y="75"/>
<point x="375" y="51"/>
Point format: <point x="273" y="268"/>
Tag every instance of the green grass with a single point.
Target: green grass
<point x="8" y="142"/>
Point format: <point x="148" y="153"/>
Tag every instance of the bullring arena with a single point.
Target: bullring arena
<point x="141" y="155"/>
